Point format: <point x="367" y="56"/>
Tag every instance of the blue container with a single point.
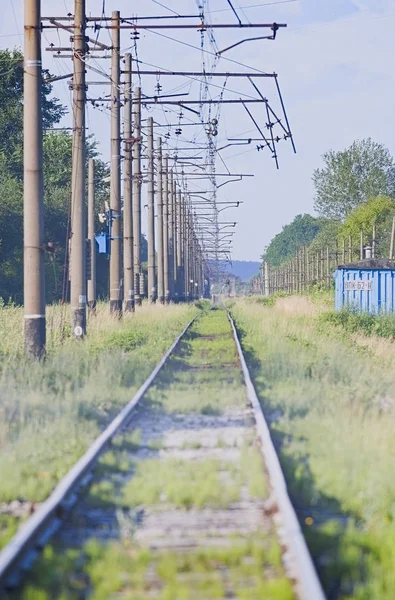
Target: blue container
<point x="366" y="286"/>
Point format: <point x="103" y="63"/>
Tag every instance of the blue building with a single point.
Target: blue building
<point x="367" y="285"/>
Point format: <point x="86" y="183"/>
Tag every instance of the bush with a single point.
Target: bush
<point x="355" y="322"/>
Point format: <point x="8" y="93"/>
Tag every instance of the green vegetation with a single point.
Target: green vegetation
<point x="300" y="232"/>
<point x="165" y="481"/>
<point x="352" y="321"/>
<point x="51" y="411"/>
<point x="122" y="570"/>
<point x="57" y="148"/>
<point x="352" y="176"/>
<point x="355" y="193"/>
<point x="331" y="408"/>
<point x="136" y="479"/>
<point x="374" y="213"/>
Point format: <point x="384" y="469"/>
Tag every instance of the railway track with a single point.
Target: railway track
<point x="182" y="496"/>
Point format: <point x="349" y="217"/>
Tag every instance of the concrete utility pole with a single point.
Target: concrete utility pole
<point x="115" y="186"/>
<point x="175" y="244"/>
<point x="186" y="250"/>
<point x="78" y="179"/>
<point x="165" y="199"/>
<point x="170" y="236"/>
<point x="151" y="213"/>
<point x="128" y="266"/>
<point x="91" y="237"/>
<point x="160" y="270"/>
<point x="33" y="190"/>
<point x="184" y="246"/>
<point x="137" y="194"/>
<point x="179" y="247"/>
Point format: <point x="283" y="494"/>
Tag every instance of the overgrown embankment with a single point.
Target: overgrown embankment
<point x="328" y="391"/>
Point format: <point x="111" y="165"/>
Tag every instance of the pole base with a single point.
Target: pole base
<point x="35" y="338"/>
<point x="128" y="306"/>
<point x="78" y="323"/>
<point x="116" y="308"/>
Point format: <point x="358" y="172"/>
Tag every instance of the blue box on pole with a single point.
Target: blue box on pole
<point x="366" y="286"/>
<point x="102" y="241"/>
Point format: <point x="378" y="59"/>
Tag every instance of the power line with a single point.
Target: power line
<point x="240" y="64"/>
<point x="221" y="10"/>
<point x="166" y="7"/>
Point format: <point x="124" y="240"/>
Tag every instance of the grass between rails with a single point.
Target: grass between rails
<point x="125" y="572"/>
<point x="250" y="566"/>
<point x="51" y="411"/>
<point x="331" y="406"/>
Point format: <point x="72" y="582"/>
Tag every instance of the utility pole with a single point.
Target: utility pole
<point x="151" y="213"/>
<point x="180" y="275"/>
<point x="91" y="237"/>
<point x="161" y="287"/>
<point x="170" y="235"/>
<point x="128" y="266"/>
<point x="165" y="200"/>
<point x="175" y="245"/>
<point x="137" y="194"/>
<point x="186" y="253"/>
<point x="33" y="190"/>
<point x="115" y="186"/>
<point x="78" y="179"/>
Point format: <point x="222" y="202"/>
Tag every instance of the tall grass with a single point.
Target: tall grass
<point x="50" y="411"/>
<point x="332" y="411"/>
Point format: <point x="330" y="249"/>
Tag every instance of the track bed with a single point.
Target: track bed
<point x="178" y="506"/>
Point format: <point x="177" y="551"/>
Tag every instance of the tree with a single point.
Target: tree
<point x="284" y="245"/>
<point x="365" y="169"/>
<point x="376" y="212"/>
<point x="327" y="237"/>
<point x="11" y="111"/>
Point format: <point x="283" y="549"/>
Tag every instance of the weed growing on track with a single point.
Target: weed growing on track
<point x="123" y="571"/>
<point x="246" y="563"/>
<point x="331" y="408"/>
<point x="51" y="411"/>
<point x="211" y="483"/>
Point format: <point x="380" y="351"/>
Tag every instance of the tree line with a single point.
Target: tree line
<point x="354" y="193"/>
<point x="57" y="164"/>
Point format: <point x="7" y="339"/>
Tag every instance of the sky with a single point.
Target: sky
<point x="335" y="66"/>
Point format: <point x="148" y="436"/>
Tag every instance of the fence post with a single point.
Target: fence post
<point x="374" y="241"/>
<point x="267" y="281"/>
<point x="328" y="266"/>
<point x="392" y="239"/>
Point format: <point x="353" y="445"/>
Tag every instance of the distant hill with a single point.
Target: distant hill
<point x="245" y="269"/>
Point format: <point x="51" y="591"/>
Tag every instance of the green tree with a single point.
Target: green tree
<point x="11" y="109"/>
<point x="327" y="237"/>
<point x="376" y="212"/>
<point x="350" y="177"/>
<point x="285" y="244"/>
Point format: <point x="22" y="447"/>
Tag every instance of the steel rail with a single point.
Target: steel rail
<point x="37" y="530"/>
<point x="308" y="585"/>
